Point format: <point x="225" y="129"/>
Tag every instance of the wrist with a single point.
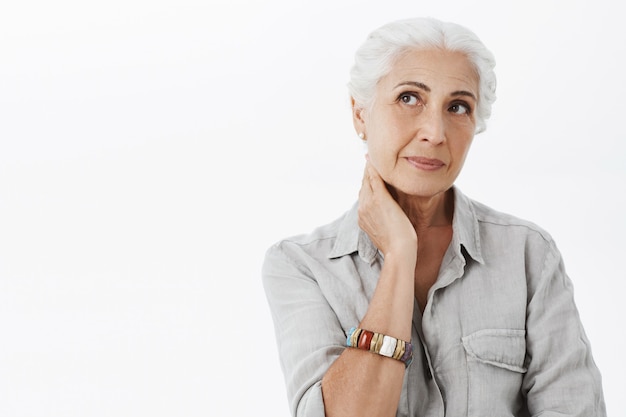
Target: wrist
<point x="404" y="256"/>
<point x="402" y="250"/>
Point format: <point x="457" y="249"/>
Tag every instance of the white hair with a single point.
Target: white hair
<point x="374" y="59"/>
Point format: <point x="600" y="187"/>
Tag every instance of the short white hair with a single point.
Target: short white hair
<point x="374" y="59"/>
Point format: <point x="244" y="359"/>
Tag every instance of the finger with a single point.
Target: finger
<point x="365" y="193"/>
<point x="365" y="174"/>
<point x="375" y="180"/>
<point x="366" y="181"/>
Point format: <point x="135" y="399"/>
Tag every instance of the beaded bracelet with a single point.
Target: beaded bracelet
<point x="380" y="344"/>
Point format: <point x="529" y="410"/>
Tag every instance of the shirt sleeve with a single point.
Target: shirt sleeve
<point x="562" y="378"/>
<point x="309" y="335"/>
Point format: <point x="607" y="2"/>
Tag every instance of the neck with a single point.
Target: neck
<point x="426" y="212"/>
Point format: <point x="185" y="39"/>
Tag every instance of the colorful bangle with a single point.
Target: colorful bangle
<point x="380" y="344"/>
<point x="365" y="340"/>
<point x="397" y="354"/>
<point x="388" y="346"/>
<point x="407" y="357"/>
<point x="374" y="342"/>
<point x="355" y="337"/>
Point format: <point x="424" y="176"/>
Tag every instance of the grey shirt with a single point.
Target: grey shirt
<point x="500" y="334"/>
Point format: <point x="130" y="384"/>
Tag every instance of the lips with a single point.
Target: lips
<point x="426" y="164"/>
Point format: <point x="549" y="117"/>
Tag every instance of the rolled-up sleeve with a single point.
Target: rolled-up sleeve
<point x="308" y="333"/>
<point x="562" y="378"/>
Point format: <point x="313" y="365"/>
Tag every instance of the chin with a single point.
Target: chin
<point x="422" y="190"/>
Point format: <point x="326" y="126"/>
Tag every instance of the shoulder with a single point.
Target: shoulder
<point x="317" y="243"/>
<point x="490" y="219"/>
<point x="514" y="246"/>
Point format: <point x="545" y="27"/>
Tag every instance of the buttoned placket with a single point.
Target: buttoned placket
<point x="424" y="356"/>
<point x="425" y="325"/>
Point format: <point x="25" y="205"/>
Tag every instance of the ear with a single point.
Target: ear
<point x="358" y="119"/>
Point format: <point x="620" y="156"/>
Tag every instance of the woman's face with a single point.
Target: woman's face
<point x="421" y="123"/>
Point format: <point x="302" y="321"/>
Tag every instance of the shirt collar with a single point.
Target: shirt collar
<point x="350" y="237"/>
<point x="466" y="232"/>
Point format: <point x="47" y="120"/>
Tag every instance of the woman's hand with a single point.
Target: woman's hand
<point x="382" y="218"/>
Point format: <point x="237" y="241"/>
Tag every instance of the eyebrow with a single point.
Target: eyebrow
<point x="427" y="89"/>
<point x="415" y="84"/>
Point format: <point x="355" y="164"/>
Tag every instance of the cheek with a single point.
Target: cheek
<point x="376" y="153"/>
<point x="461" y="148"/>
<point x="388" y="134"/>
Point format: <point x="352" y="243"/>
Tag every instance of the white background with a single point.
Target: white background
<point x="150" y="151"/>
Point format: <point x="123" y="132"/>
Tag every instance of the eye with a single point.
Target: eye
<point x="460" y="108"/>
<point x="409" y="99"/>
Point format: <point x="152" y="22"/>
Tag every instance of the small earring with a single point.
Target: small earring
<point x="363" y="141"/>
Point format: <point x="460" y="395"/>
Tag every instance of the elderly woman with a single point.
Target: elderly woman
<point x="419" y="301"/>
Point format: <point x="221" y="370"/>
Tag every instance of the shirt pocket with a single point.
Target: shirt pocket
<point x="495" y="368"/>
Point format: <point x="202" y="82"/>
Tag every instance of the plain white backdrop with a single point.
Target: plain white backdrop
<point x="150" y="152"/>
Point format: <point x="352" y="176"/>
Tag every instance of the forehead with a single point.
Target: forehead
<point x="436" y="68"/>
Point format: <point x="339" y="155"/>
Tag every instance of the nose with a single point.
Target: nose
<point x="431" y="127"/>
